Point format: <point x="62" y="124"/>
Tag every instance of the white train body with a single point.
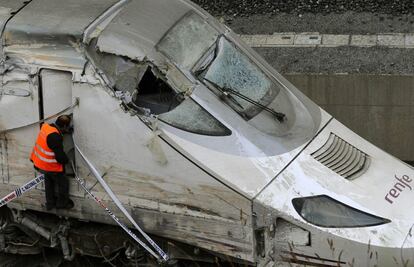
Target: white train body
<point x="191" y="160"/>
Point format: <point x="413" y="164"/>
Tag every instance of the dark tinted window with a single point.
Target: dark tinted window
<point x="324" y="211"/>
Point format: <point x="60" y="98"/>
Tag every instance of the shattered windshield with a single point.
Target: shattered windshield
<point x="223" y="66"/>
<point x="188" y="40"/>
<point x="227" y="69"/>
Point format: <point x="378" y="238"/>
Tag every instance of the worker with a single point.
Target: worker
<point x="49" y="158"/>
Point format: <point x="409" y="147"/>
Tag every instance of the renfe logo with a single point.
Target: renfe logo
<point x="398" y="187"/>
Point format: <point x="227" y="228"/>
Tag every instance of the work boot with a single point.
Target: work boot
<point x="69" y="205"/>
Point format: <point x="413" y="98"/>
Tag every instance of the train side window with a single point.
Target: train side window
<point x="191" y="117"/>
<point x="325" y="211"/>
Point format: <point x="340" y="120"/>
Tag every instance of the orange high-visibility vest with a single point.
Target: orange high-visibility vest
<point x="42" y="156"/>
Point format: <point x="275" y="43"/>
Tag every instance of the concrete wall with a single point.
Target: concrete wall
<point x="378" y="107"/>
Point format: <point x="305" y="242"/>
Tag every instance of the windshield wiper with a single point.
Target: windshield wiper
<point x="227" y="92"/>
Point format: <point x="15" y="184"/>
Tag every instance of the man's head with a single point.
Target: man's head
<point x="63" y="122"/>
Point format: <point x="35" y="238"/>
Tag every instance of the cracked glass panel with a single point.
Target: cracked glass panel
<point x="231" y="69"/>
<point x="191" y="117"/>
<point x="188" y="40"/>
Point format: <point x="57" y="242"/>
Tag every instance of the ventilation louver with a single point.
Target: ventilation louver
<point x="342" y="157"/>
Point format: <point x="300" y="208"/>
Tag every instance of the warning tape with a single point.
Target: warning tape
<point x="118" y="203"/>
<point x="18" y="192"/>
<point x="21" y="190"/>
<point x="113" y="216"/>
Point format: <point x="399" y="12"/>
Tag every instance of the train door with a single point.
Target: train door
<point x="55" y="94"/>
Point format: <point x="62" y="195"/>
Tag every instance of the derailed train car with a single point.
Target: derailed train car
<point x="211" y="151"/>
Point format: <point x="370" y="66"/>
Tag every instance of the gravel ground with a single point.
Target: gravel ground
<point x="377" y="60"/>
<point x="251" y="7"/>
<point x="347" y="23"/>
<point x="325" y="16"/>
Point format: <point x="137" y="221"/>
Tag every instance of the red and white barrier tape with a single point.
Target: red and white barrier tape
<point x="21" y="190"/>
<point x="118" y="203"/>
<point x="113" y="216"/>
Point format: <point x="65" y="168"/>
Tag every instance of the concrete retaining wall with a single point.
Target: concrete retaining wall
<point x="378" y="107"/>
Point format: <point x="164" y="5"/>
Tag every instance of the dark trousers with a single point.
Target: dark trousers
<point x="59" y="181"/>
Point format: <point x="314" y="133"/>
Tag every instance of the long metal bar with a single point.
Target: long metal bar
<point x="112" y="215"/>
<point x="119" y="204"/>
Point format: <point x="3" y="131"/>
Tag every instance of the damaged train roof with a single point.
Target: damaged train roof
<point x="49" y="32"/>
<point x="46" y="32"/>
<point x="139" y="27"/>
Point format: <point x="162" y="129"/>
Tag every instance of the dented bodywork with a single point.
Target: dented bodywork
<point x="205" y="144"/>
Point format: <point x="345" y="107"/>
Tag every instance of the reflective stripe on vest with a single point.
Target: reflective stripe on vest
<point x="52" y="154"/>
<point x="44" y="159"/>
<point x="42" y="156"/>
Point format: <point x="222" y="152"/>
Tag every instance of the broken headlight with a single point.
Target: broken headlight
<point x="324" y="211"/>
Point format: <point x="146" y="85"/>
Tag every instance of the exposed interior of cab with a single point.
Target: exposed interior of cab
<point x="142" y="82"/>
<point x="149" y="92"/>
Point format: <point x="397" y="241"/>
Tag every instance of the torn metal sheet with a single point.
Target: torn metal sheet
<point x="53" y="56"/>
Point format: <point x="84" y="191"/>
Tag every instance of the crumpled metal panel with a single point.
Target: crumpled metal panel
<point x="62" y="56"/>
<point x="139" y="27"/>
<point x="53" y="21"/>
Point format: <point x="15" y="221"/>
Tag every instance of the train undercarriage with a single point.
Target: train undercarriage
<point x="40" y="239"/>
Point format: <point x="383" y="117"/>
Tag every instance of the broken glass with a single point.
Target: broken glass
<point x="147" y="89"/>
<point x="232" y="69"/>
<point x="191" y="117"/>
<point x="188" y="40"/>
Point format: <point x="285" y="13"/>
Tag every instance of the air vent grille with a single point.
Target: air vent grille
<point x="342" y="157"/>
